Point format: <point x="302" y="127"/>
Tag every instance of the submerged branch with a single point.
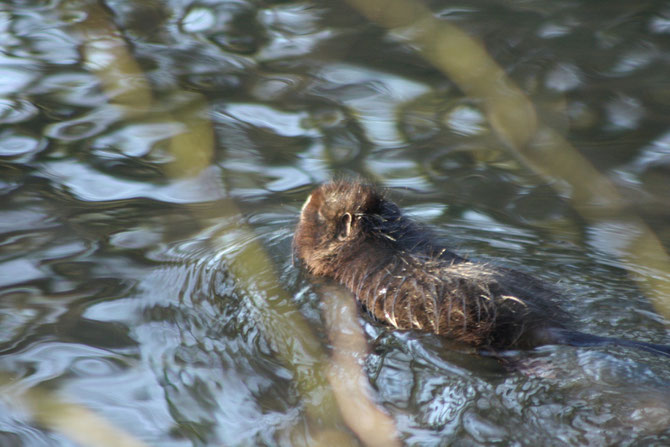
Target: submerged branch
<point x="107" y="55"/>
<point x="346" y="376"/>
<point x="75" y="421"/>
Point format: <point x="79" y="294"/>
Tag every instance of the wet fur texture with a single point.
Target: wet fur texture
<point x="350" y="232"/>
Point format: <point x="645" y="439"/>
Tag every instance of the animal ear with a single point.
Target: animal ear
<point x="344" y="227"/>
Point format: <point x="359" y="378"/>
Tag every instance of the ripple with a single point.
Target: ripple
<point x="274" y="87"/>
<point x="656" y="153"/>
<point x="282" y="47"/>
<point x="85" y="126"/>
<point x="634" y="60"/>
<point x="76" y="88"/>
<point x="466" y="120"/>
<point x="420" y="125"/>
<point x="19" y="271"/>
<point x="374" y="96"/>
<point x="482" y="430"/>
<point x="73" y="16"/>
<point x="13" y="144"/>
<point x="91" y="185"/>
<point x="75" y="130"/>
<point x="564" y="77"/>
<point x="660" y="24"/>
<point x="198" y="19"/>
<point x="94" y="366"/>
<point x="614" y="238"/>
<point x="133" y="396"/>
<point x="553" y="30"/>
<point x="133" y="239"/>
<point x="624" y="112"/>
<point x="294" y="19"/>
<point x="21" y="241"/>
<point x="101" y="234"/>
<point x="16" y="110"/>
<point x="54" y="46"/>
<point x="282" y="123"/>
<point x="15" y="80"/>
<point x="52" y="359"/>
<point x="426" y="211"/>
<point x="136" y="140"/>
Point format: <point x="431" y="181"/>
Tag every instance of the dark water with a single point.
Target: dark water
<point x="154" y="157"/>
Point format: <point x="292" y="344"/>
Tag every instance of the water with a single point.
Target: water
<point x="154" y="157"/>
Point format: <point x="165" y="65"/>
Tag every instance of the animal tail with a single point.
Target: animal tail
<point x="581" y="339"/>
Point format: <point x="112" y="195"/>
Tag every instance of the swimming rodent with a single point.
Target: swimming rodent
<point x="350" y="232"/>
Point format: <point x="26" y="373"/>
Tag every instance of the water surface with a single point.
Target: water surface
<point x="147" y="148"/>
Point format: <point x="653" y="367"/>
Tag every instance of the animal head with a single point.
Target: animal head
<point x="334" y="220"/>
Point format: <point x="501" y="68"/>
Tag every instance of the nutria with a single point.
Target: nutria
<point x="350" y="232"/>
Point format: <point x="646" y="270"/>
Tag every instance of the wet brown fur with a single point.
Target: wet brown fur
<point x="350" y="232"/>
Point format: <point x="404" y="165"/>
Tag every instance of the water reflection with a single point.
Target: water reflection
<point x="127" y="130"/>
<point x="16" y="110"/>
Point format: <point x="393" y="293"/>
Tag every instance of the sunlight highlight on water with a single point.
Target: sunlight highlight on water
<point x="154" y="157"/>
